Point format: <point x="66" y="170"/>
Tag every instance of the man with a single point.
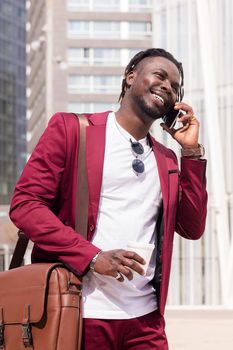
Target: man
<point x="135" y="194"/>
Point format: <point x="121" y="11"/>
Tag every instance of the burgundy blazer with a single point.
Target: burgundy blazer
<point x="43" y="204"/>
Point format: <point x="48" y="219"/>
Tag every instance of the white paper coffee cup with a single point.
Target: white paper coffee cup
<point x="143" y="249"/>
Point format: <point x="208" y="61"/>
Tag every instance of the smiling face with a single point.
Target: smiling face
<point x="153" y="86"/>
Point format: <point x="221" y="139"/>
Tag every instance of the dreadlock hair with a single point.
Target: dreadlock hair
<point x="153" y="52"/>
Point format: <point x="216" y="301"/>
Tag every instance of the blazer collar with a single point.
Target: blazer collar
<point x="98" y="118"/>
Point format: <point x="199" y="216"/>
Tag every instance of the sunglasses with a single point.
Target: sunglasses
<point x="137" y="164"/>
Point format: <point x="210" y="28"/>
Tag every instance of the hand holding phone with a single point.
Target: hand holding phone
<point x="187" y="134"/>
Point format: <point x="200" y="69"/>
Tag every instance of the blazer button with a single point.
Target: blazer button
<point x="92" y="227"/>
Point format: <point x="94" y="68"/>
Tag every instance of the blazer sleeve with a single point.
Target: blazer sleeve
<point x="35" y="195"/>
<point x="192" y="207"/>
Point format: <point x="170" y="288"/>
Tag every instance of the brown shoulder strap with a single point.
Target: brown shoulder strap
<point x="81" y="198"/>
<point x="81" y="219"/>
<point x="20" y="249"/>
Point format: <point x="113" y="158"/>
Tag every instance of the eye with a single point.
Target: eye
<point x="175" y="89"/>
<point x="159" y="75"/>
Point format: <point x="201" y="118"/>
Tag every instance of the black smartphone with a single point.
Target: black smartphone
<point x="171" y="117"/>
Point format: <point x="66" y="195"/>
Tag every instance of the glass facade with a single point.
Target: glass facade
<point x="12" y="95"/>
<point x="199" y="33"/>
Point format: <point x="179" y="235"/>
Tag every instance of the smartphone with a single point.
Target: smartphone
<point x="171" y="117"/>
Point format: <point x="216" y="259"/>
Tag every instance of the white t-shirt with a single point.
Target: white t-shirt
<point x="128" y="211"/>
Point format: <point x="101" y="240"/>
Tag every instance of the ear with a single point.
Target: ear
<point x="130" y="78"/>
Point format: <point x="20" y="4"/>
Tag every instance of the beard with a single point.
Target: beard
<point x="152" y="111"/>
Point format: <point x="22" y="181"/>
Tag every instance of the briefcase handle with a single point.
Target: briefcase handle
<point x="81" y="217"/>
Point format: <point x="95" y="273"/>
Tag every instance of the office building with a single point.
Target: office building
<point x="12" y="95"/>
<point x="77" y="51"/>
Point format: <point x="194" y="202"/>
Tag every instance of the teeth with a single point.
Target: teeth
<point x="159" y="98"/>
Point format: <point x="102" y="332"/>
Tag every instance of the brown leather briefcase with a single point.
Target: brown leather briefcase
<point x="44" y="314"/>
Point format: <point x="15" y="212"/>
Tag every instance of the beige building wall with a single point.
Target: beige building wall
<point x="49" y="65"/>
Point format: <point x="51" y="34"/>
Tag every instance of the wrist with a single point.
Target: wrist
<point x="193" y="153"/>
<point x="194" y="146"/>
<point x="93" y="261"/>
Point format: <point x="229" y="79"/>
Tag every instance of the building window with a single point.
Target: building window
<point x="106" y="29"/>
<point x="91" y="107"/>
<point x="97" y="56"/>
<point x="97" y="29"/>
<point x="93" y="5"/>
<point x="107" y="57"/>
<point x="78" y="28"/>
<point x="133" y="52"/>
<point x="75" y="5"/>
<point x="102" y="106"/>
<point x="139" y="29"/>
<point x="79" y="83"/>
<point x="78" y="107"/>
<point x="107" y="83"/>
<point x="94" y="84"/>
<point x="140" y="5"/>
<point x="77" y="56"/>
<point x="105" y="5"/>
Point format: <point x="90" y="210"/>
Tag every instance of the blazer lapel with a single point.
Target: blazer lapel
<point x="160" y="157"/>
<point x="95" y="148"/>
<point x="169" y="182"/>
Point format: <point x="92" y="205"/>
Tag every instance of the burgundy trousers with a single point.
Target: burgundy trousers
<point x="141" y="333"/>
